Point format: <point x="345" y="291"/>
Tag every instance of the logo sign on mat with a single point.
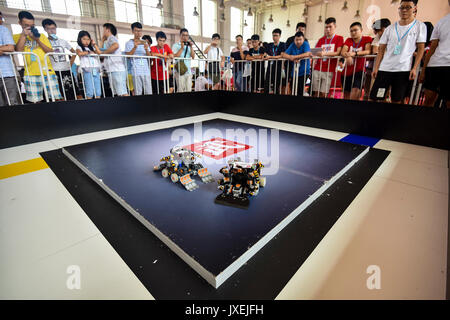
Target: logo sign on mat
<point x="218" y="148"/>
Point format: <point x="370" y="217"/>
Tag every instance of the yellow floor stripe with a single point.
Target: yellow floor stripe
<point x="18" y="168"/>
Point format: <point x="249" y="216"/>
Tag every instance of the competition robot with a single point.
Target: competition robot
<point x="180" y="166"/>
<point x="240" y="180"/>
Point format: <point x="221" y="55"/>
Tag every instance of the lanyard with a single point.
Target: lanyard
<point x="357" y="45"/>
<point x="330" y="40"/>
<point x="275" y="49"/>
<point x="160" y="51"/>
<point x="396" y="30"/>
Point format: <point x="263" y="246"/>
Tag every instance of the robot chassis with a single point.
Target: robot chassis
<point x="180" y="166"/>
<point x="240" y="180"/>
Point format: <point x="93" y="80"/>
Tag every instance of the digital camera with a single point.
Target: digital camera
<point x="35" y="32"/>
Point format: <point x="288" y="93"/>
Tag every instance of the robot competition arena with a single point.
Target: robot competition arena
<point x="215" y="218"/>
<point x="177" y="197"/>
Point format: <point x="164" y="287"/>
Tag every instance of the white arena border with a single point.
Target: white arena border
<point x="218" y="280"/>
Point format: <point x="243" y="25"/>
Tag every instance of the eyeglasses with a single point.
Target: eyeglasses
<point x="406" y="8"/>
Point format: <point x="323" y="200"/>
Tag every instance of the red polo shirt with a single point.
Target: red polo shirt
<point x="157" y="63"/>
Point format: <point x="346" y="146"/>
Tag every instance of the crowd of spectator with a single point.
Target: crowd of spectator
<point x="379" y="68"/>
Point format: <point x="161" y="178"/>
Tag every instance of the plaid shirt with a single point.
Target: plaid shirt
<point x="139" y="67"/>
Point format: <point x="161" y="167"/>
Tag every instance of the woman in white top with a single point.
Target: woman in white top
<point x="89" y="65"/>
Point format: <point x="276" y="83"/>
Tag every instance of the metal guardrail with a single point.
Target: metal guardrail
<point x="273" y="76"/>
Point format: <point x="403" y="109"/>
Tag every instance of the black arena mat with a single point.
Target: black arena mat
<point x="216" y="240"/>
<point x="166" y="276"/>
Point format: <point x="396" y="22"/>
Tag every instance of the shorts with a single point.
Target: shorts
<point x="35" y="88"/>
<point x="215" y="77"/>
<point x="357" y="81"/>
<point x="65" y="84"/>
<point x="437" y="80"/>
<point x="142" y="85"/>
<point x="398" y="81"/>
<point x="9" y="92"/>
<point x="321" y="81"/>
<point x="130" y="82"/>
<point x="118" y="82"/>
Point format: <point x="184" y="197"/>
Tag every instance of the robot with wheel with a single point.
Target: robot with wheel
<point x="240" y="180"/>
<point x="180" y="166"/>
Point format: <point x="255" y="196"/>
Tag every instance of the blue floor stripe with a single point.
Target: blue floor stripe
<point x="362" y="140"/>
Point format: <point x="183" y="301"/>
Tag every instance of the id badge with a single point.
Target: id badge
<point x="381" y="92"/>
<point x="398" y="49"/>
<point x="95" y="72"/>
<point x="32" y="57"/>
<point x="141" y="62"/>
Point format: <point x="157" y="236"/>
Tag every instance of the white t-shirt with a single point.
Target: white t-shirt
<point x="441" y="57"/>
<point x="60" y="62"/>
<point x="200" y="83"/>
<point x="376" y="41"/>
<point x="401" y="62"/>
<point x="89" y="62"/>
<point x="215" y="53"/>
<point x="113" y="64"/>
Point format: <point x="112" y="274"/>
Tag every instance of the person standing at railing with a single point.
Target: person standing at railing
<point x="436" y="68"/>
<point x="140" y="69"/>
<point x="183" y="49"/>
<point x="378" y="28"/>
<point x="89" y="65"/>
<point x="213" y="52"/>
<point x="115" y="66"/>
<point x="298" y="52"/>
<point x="9" y="91"/>
<point x="393" y="67"/>
<point x="354" y="50"/>
<point x="274" y="49"/>
<point x="30" y="40"/>
<point x="238" y="60"/>
<point x="301" y="26"/>
<point x="256" y="55"/>
<point x="60" y="63"/>
<point x="324" y="69"/>
<point x="160" y="66"/>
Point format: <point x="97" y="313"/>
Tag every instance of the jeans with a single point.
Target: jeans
<point x="240" y="82"/>
<point x="92" y="83"/>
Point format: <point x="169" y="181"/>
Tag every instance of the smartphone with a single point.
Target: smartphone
<point x="315" y="51"/>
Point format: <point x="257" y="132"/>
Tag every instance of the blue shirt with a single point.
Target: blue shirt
<point x="293" y="51"/>
<point x="139" y="67"/>
<point x="175" y="48"/>
<point x="6" y="67"/>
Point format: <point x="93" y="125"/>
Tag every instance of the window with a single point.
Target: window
<point x="249" y="30"/>
<point x="191" y="22"/>
<point x="71" y="7"/>
<point x="209" y="18"/>
<point x="236" y="22"/>
<point x="151" y="15"/>
<point x="123" y="39"/>
<point x="25" y="4"/>
<point x="126" y="10"/>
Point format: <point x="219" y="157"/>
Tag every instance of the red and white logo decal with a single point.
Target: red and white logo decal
<point x="217" y="148"/>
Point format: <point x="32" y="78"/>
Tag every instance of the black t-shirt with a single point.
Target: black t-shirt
<point x="273" y="50"/>
<point x="253" y="52"/>
<point x="237" y="57"/>
<point x="257" y="66"/>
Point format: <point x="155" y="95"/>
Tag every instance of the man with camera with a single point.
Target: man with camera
<point x="140" y="67"/>
<point x="183" y="49"/>
<point x="30" y="40"/>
